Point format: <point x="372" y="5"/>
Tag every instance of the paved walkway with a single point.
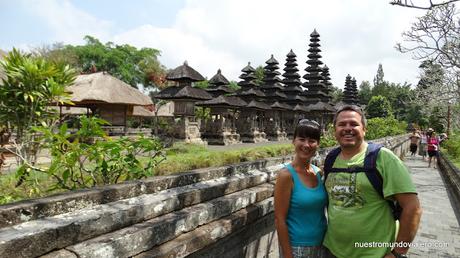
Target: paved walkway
<point x="439" y="228"/>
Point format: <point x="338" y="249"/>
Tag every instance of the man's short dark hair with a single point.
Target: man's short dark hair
<point x="351" y="108"/>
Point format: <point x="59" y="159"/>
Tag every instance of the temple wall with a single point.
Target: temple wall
<point x="213" y="212"/>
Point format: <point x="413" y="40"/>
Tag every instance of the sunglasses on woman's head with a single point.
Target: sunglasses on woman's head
<point x="308" y="122"/>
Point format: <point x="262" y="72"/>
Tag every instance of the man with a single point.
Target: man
<point x="414" y="142"/>
<point x="360" y="220"/>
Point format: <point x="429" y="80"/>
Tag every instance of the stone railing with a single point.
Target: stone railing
<point x="213" y="212"/>
<point x="451" y="176"/>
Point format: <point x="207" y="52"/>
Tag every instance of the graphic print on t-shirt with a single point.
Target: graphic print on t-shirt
<point x="345" y="192"/>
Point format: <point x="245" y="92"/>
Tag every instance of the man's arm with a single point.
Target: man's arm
<point x="409" y="219"/>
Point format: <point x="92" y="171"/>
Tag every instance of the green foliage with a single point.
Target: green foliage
<point x="202" y="84"/>
<point x="380" y="127"/>
<point x="452" y="146"/>
<point x="437" y="119"/>
<point x="378" y="107"/>
<point x="203" y="113"/>
<point x="127" y="63"/>
<point x="365" y="92"/>
<point x="259" y="73"/>
<point x="88" y="157"/>
<point x="337" y="94"/>
<point x="415" y="115"/>
<point x="234" y="85"/>
<point x="378" y="79"/>
<point x="328" y="138"/>
<point x="31" y="84"/>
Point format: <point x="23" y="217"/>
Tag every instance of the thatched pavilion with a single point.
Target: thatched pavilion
<point x="110" y="98"/>
<point x="184" y="97"/>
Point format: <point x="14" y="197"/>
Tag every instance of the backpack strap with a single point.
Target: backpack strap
<point x="329" y="162"/>
<point x="370" y="167"/>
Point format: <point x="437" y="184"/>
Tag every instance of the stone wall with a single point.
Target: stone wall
<point x="451" y="176"/>
<point x="213" y="212"/>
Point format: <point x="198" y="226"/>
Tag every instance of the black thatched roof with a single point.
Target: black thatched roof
<point x="183" y="92"/>
<point x="222" y="89"/>
<point x="258" y="105"/>
<point x="321" y="106"/>
<point x="302" y="108"/>
<point x="280" y="106"/>
<point x="184" y="73"/>
<point x="223" y="101"/>
<point x="250" y="92"/>
<point x="219" y="79"/>
<point x="296" y="98"/>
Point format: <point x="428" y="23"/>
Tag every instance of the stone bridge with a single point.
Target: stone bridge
<point x="213" y="212"/>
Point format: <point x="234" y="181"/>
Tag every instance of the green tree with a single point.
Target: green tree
<point x="378" y="79"/>
<point x="415" y="115"/>
<point x="30" y="86"/>
<point x="202" y="84"/>
<point x="337" y="94"/>
<point x="234" y="85"/>
<point x="437" y="119"/>
<point x="127" y="63"/>
<point x="379" y="106"/>
<point x="365" y="92"/>
<point x="259" y="73"/>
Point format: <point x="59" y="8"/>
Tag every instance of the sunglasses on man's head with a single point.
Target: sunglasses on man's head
<point x="308" y="122"/>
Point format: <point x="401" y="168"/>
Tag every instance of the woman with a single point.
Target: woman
<point x="300" y="198"/>
<point x="433" y="148"/>
<point x="422" y="151"/>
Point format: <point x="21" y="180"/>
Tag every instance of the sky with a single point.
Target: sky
<point x="356" y="35"/>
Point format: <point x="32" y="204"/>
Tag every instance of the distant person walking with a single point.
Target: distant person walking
<point x="300" y="198"/>
<point x="432" y="147"/>
<point x="422" y="147"/>
<point x="414" y="138"/>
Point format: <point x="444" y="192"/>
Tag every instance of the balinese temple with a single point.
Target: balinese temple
<point x="293" y="91"/>
<point x="350" y="92"/>
<point x="250" y="122"/>
<point x="274" y="97"/>
<point x="221" y="128"/>
<point x="327" y="81"/>
<point x="320" y="108"/>
<point x="184" y="97"/>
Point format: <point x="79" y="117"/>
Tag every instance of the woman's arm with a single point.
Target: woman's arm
<point x="283" y="189"/>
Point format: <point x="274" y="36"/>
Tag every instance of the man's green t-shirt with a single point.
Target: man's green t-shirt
<point x="359" y="220"/>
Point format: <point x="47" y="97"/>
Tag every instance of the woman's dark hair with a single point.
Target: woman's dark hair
<point x="308" y="129"/>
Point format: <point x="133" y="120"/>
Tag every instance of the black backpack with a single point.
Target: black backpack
<point x="370" y="168"/>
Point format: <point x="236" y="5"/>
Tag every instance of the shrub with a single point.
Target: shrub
<point x="89" y="158"/>
<point x="380" y="127"/>
<point x="452" y="146"/>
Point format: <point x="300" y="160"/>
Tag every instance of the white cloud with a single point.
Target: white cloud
<point x="355" y="36"/>
<point x="68" y="23"/>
